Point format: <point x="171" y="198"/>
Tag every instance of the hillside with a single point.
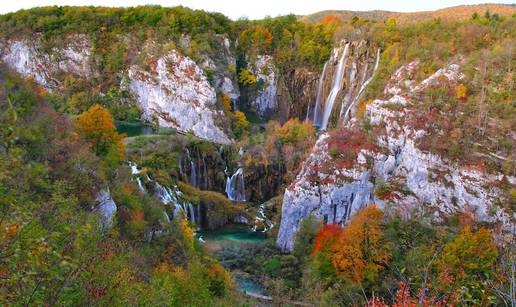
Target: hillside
<point x="164" y="156"/>
<point x="460" y="12"/>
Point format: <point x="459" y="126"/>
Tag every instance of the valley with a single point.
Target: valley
<point x="164" y="156"/>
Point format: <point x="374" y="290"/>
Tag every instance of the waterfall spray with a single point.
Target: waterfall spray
<point x="235" y="189"/>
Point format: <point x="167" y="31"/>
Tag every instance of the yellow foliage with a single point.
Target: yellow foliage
<point x="96" y="127"/>
<point x="240" y="123"/>
<point x="293" y="131"/>
<point x="226" y="102"/>
<point x="246" y="77"/>
<point x="461" y="92"/>
<point x="187" y="232"/>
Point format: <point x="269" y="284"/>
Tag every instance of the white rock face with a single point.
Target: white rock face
<point x="27" y="58"/>
<point x="265" y="71"/>
<point x="106" y="207"/>
<point x="331" y="200"/>
<point x="432" y="182"/>
<point x="177" y="94"/>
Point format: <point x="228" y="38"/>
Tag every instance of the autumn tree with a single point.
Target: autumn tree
<point x="465" y="263"/>
<point x="361" y="251"/>
<point x="97" y="128"/>
<point x="358" y="251"/>
<point x="461" y="93"/>
<point x="245" y="77"/>
<point x="226" y="102"/>
<point x="240" y="123"/>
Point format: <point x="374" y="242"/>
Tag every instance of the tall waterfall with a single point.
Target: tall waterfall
<point x="193" y="174"/>
<point x="318" y="105"/>
<point x="235" y="188"/>
<point x="344" y="79"/>
<point x="363" y="86"/>
<point x="335" y="89"/>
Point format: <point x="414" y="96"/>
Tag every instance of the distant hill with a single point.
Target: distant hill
<point x="456" y="13"/>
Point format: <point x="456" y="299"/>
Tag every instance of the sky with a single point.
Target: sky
<point x="256" y="9"/>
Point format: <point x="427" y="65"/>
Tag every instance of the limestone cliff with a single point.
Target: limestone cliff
<point x="333" y="185"/>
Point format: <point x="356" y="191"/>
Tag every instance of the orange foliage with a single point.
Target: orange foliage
<point x="96" y="127"/>
<point x="331" y="19"/>
<point x="357" y="248"/>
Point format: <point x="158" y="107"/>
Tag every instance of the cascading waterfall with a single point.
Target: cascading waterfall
<point x="235" y="188"/>
<point x="134" y="172"/>
<point x="193" y="174"/>
<point x="318" y="105"/>
<point x="351" y="75"/>
<point x="192" y="213"/>
<point x="364" y="85"/>
<point x="335" y="89"/>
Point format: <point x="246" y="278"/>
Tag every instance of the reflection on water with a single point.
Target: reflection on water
<point x="233" y="234"/>
<point x="137" y="128"/>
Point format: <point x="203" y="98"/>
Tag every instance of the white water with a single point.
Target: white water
<point x="317" y="110"/>
<point x="193" y="174"/>
<point x="192" y="213"/>
<point x="335" y="88"/>
<point x="235" y="188"/>
<point x="364" y="85"/>
<point x="134" y="172"/>
<point x="140" y="185"/>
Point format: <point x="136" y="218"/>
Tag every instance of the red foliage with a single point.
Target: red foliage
<point x="327" y="238"/>
<point x="345" y="144"/>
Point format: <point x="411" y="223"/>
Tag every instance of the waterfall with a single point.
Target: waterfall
<point x="140" y="185"/>
<point x="164" y="194"/>
<point x="318" y="106"/>
<point x="134" y="172"/>
<point x="193" y="174"/>
<point x="192" y="213"/>
<point x="335" y="88"/>
<point x="364" y="85"/>
<point x="235" y="188"/>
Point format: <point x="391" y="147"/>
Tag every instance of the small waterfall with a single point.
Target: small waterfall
<point x="364" y="85"/>
<point x="192" y="213"/>
<point x="164" y="194"/>
<point x="318" y="106"/>
<point x="193" y="174"/>
<point x="235" y="188"/>
<point x="134" y="172"/>
<point x="140" y="185"/>
<point x="335" y="88"/>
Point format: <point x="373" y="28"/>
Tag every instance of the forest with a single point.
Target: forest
<point x="64" y="160"/>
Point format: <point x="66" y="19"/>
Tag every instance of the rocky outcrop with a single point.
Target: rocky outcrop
<point x="107" y="208"/>
<point x="30" y="59"/>
<point x="177" y="94"/>
<point x="296" y="93"/>
<point x="333" y="191"/>
<point x="332" y="196"/>
<point x="222" y="65"/>
<point x="264" y="102"/>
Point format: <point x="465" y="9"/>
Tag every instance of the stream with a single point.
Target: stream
<point x="231" y="235"/>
